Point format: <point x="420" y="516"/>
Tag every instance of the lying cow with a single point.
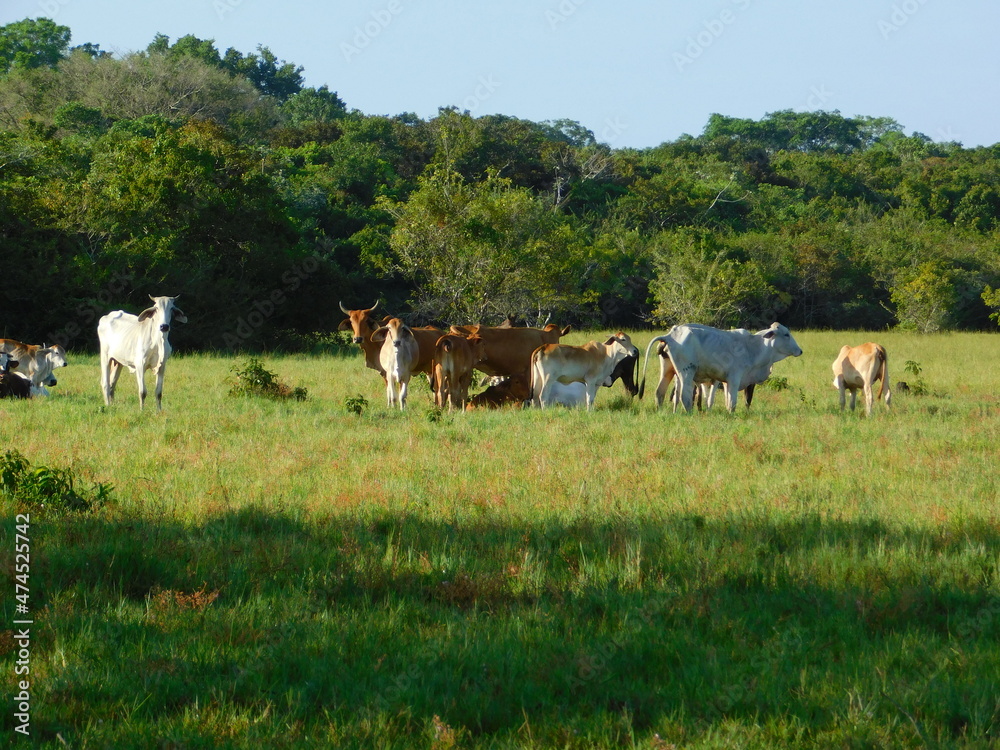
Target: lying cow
<point x="590" y="364"/>
<point x="860" y="367"/>
<point x="398" y="355"/>
<point x="454" y="358"/>
<point x="35" y="362"/>
<point x="514" y="390"/>
<point x="12" y="384"/>
<point x="736" y="358"/>
<point x="138" y="342"/>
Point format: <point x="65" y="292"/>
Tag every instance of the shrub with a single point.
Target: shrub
<point x="253" y="379"/>
<point x="42" y="486"/>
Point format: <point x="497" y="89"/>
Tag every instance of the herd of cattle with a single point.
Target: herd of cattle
<point x="525" y="364"/>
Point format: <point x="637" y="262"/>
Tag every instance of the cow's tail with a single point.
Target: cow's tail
<point x="884" y="379"/>
<point x="645" y="361"/>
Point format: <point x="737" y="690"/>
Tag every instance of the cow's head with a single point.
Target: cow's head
<point x="780" y="340"/>
<point x="360" y="322"/>
<point x="163" y="311"/>
<point x="395" y="330"/>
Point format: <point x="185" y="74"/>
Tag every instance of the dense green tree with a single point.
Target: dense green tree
<point x="32" y="43"/>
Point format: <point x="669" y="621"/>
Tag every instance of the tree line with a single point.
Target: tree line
<point x="219" y="176"/>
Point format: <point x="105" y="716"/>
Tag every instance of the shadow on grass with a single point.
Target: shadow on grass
<point x="557" y="633"/>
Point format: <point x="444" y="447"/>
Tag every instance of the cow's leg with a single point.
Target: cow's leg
<point x="686" y="386"/>
<point x="390" y="395"/>
<point x="869" y="397"/>
<point x="160" y="372"/>
<point x="854" y="397"/>
<point x="591" y="393"/>
<point x="732" y="392"/>
<point x="107" y="384"/>
<point x="748" y="394"/>
<point x="666" y="375"/>
<point x="404" y="386"/>
<point x="708" y="393"/>
<point x="140" y="376"/>
<point x="842" y="387"/>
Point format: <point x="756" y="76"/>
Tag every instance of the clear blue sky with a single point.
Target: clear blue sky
<point x="636" y="72"/>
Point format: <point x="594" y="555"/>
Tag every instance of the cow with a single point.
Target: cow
<point x="513" y="390"/>
<point x="36" y="362"/>
<point x="590" y="364"/>
<point x="454" y="358"/>
<point x="626" y="371"/>
<point x="138" y="342"/>
<point x="12" y="384"/>
<point x="860" y="367"/>
<point x="508" y="350"/>
<point x="736" y="358"/>
<point x="705" y="392"/>
<point x="398" y="355"/>
<point x="363" y="325"/>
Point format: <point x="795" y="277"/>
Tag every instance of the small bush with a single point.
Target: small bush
<point x="356" y="404"/>
<point x="45" y="487"/>
<point x="917" y="387"/>
<point x="253" y="379"/>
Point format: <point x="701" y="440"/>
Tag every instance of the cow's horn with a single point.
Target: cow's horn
<point x="344" y="309"/>
<point x="375" y="306"/>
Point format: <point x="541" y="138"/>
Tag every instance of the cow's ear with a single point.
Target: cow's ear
<point x="378" y="335"/>
<point x="611" y="340"/>
<point x="770" y="333"/>
<point x="13" y="363"/>
<point x="566" y="330"/>
<point x="149" y="312"/>
<point x="345" y="325"/>
<point x="179" y="315"/>
<point x="406" y="331"/>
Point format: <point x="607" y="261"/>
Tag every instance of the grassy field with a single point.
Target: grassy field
<point x="293" y="574"/>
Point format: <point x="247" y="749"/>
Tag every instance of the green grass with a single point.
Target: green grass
<point x="331" y="573"/>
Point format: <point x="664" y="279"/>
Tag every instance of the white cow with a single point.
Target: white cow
<point x="590" y="364"/>
<point x="860" y="367"/>
<point x="138" y="342"/>
<point x="35" y="362"/>
<point x="398" y="356"/>
<point x="736" y="358"/>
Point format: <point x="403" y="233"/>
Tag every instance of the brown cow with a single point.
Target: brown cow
<point x="454" y="358"/>
<point x="508" y="350"/>
<point x="513" y="390"/>
<point x="859" y="367"/>
<point x="363" y="325"/>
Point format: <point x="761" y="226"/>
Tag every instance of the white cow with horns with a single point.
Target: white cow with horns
<point x="138" y="342"/>
<point x="736" y="358"/>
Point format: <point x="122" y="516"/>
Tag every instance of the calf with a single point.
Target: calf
<point x="590" y="364"/>
<point x="512" y="390"/>
<point x="397" y="356"/>
<point x="12" y="384"/>
<point x="860" y="367"/>
<point x="454" y="358"/>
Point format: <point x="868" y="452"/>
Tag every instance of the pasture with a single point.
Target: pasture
<point x="294" y="574"/>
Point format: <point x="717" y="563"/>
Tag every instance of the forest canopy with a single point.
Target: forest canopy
<point x="218" y="175"/>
